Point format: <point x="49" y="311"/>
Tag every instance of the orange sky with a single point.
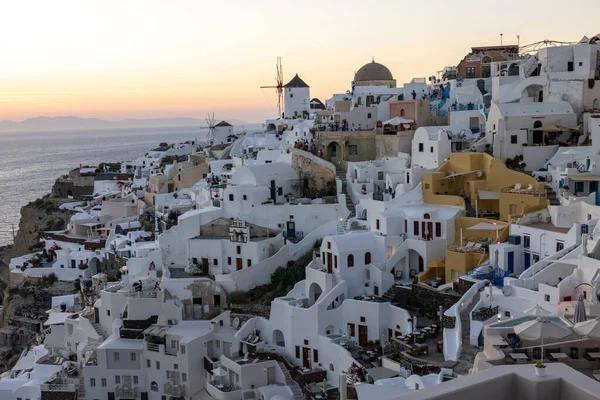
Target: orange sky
<point x="152" y="58"/>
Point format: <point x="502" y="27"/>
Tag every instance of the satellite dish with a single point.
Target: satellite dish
<point x="506" y="290"/>
<point x="236" y="323"/>
<point x="479" y="173"/>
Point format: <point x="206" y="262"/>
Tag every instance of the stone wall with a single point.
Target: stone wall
<point x="319" y="172"/>
<point x="391" y="145"/>
<point x="462" y="285"/>
<point x="251" y="309"/>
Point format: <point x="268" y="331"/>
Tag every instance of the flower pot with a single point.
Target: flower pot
<point x="540" y="371"/>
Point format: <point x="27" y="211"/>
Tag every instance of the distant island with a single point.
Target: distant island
<point x="72" y="122"/>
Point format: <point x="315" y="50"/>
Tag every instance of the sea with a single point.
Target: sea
<point x="30" y="162"/>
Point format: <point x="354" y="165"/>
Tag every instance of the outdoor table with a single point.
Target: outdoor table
<point x="559" y="356"/>
<point x="497" y="340"/>
<point x="520" y="358"/>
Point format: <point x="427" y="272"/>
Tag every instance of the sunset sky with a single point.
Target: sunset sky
<point x="150" y="58"/>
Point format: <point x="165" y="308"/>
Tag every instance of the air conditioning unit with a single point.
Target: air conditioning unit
<point x="172" y="321"/>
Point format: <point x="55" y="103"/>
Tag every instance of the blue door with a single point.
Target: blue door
<point x="511" y="261"/>
<point x="527" y="260"/>
<point x="593" y="186"/>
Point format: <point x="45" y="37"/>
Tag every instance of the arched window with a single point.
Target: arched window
<point x="595" y="104"/>
<point x="350" y="260"/>
<point x="486" y="60"/>
<point x="427" y="216"/>
<point x="402" y="112"/>
<point x="154" y="386"/>
<point x="369" y="115"/>
<point x="331" y="367"/>
<point x="367" y="258"/>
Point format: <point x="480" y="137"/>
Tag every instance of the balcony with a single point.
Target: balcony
<point x="127" y="392"/>
<point x="171" y="352"/>
<point x="153" y="347"/>
<point x="58" y="387"/>
<point x="174" y="390"/>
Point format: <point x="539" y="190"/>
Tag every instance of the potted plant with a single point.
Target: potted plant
<point x="540" y="368"/>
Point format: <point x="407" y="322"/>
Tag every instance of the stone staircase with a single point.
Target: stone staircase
<point x="341" y="175"/>
<point x="552" y="196"/>
<point x="99" y="330"/>
<point x="292" y="384"/>
<point x="467" y="357"/>
<point x="393" y="294"/>
<point x="81" y="390"/>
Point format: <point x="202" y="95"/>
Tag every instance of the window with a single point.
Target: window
<point x="416" y="228"/>
<point x="92" y="382"/>
<point x="380" y="175"/>
<point x="513" y="139"/>
<point x="280" y="191"/>
<point x="559" y="246"/>
<point x="117" y="380"/>
<point x="570" y="66"/>
<point x="470" y="72"/>
<point x="116" y="356"/>
<point x="405" y="226"/>
<point x="175" y="367"/>
<point x="335" y="262"/>
<point x="367" y="258"/>
<point x="305" y="342"/>
<point x="535" y="258"/>
<point x="228" y="260"/>
<point x="316" y="355"/>
<point x="218" y="344"/>
<point x="350" y="260"/>
<point x="507" y="314"/>
<point x="174" y="344"/>
<point x="328" y="245"/>
<point x="421" y="147"/>
<point x="474" y="123"/>
<point x="377" y="224"/>
<point x="135" y="380"/>
<point x="215" y="262"/>
<point x="244" y="197"/>
<point x="154" y="387"/>
<point x="148" y="363"/>
<point x="103" y="382"/>
<point x="238" y="249"/>
<point x="595" y="104"/>
<point x="291" y="95"/>
<point x="362" y="319"/>
<point x="526" y="241"/>
<point x="182" y="348"/>
<point x="297" y="351"/>
<point x="369" y="115"/>
<point x="132" y="356"/>
<point x="353" y="149"/>
<point x="184" y="377"/>
<point x="431" y="149"/>
<point x="249" y="263"/>
<point x="547" y="297"/>
<point x="158" y="365"/>
<point x="195" y="260"/>
<point x="231" y="197"/>
<point x="108" y="312"/>
<point x="578" y="187"/>
<point x="438" y="229"/>
<point x="486" y="60"/>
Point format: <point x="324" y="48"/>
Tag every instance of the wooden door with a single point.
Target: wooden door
<point x="421" y="264"/>
<point x="306" y="357"/>
<point x="239" y="263"/>
<point x="363" y="335"/>
<point x="376" y="290"/>
<point x="329" y="263"/>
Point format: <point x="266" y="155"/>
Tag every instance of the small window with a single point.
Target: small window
<point x="116" y="356"/>
<point x="92" y="382"/>
<point x="103" y="382"/>
<point x="535" y="258"/>
<point x="559" y="246"/>
<point x="117" y="380"/>
<point x="380" y="175"/>
<point x="507" y="314"/>
<point x="133" y="356"/>
<point x="329" y="245"/>
<point x="244" y="197"/>
<point x="182" y="348"/>
<point x="595" y="104"/>
<point x="154" y="387"/>
<point x="315" y="355"/>
<point x="362" y="319"/>
<point x="175" y="367"/>
<point x="421" y="147"/>
<point x="231" y="197"/>
<point x="108" y="312"/>
<point x="158" y="365"/>
<point x="547" y="297"/>
<point x="184" y="377"/>
<point x="377" y="224"/>
<point x="215" y="262"/>
<point x="148" y="364"/>
<point x="570" y="66"/>
<point x="513" y="139"/>
<point x="135" y="380"/>
<point x="438" y="229"/>
<point x="350" y="260"/>
<point x="431" y="149"/>
<point x="305" y="342"/>
<point x="249" y="262"/>
<point x="331" y="367"/>
<point x="228" y="260"/>
<point x="353" y="149"/>
<point x="416" y="228"/>
<point x="238" y="249"/>
<point x="369" y="115"/>
<point x="526" y="241"/>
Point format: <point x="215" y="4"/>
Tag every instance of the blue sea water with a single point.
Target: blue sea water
<point x="30" y="162"/>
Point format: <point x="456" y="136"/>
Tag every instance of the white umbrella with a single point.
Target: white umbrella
<point x="538" y="311"/>
<point x="398" y="121"/>
<point x="579" y="314"/>
<point x="541" y="328"/>
<point x="589" y="328"/>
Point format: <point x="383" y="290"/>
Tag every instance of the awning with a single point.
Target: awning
<point x="553" y="127"/>
<point x="584" y="177"/>
<point x="398" y="121"/>
<point x="488" y="195"/>
<point x="437" y="264"/>
<point x="484" y="226"/>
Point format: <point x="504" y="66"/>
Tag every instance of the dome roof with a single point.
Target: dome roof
<point x="373" y="72"/>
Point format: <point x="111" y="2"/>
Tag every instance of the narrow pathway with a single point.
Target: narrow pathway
<point x="341" y="175"/>
<point x="292" y="384"/>
<point x="468" y="353"/>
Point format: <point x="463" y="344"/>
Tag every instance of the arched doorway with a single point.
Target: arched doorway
<point x="329" y="330"/>
<point x="93" y="268"/>
<point x="415" y="261"/>
<point x="271" y="127"/>
<point x="537" y="136"/>
<point x="314" y="292"/>
<point x="278" y="338"/>
<point x="334" y="150"/>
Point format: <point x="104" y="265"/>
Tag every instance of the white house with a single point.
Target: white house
<point x="296" y="98"/>
<point x="223" y="132"/>
<point x="431" y="146"/>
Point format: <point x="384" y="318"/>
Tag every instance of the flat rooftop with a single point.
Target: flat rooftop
<point x="546" y="226"/>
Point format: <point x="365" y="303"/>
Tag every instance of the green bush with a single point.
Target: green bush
<point x="237" y="297"/>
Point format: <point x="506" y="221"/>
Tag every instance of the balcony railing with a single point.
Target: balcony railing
<point x="174" y="390"/>
<point x="58" y="387"/>
<point x="129" y="392"/>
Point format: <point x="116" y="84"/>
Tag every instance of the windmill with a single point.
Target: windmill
<point x="210" y="125"/>
<point x="278" y="85"/>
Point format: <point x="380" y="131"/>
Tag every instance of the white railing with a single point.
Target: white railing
<point x="174" y="390"/>
<point x="58" y="387"/>
<point x="130" y="392"/>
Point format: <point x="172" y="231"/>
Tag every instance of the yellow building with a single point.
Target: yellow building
<point x="491" y="195"/>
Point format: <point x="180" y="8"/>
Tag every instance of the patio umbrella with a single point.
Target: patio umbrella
<point x="538" y="311"/>
<point x="541" y="328"/>
<point x="590" y="328"/>
<point x="579" y="315"/>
